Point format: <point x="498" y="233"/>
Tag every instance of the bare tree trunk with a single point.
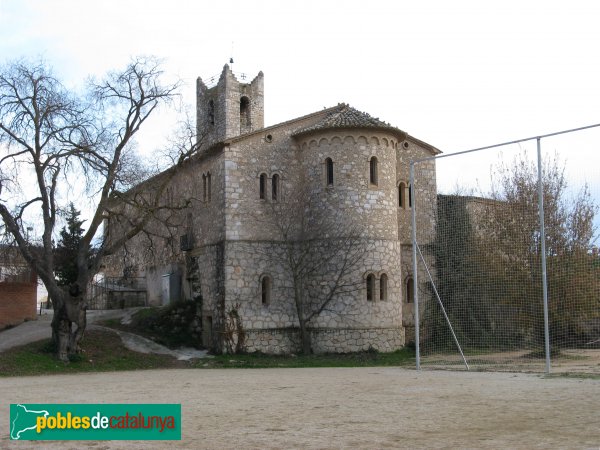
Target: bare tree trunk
<point x="63" y="332"/>
<point x="305" y="342"/>
<point x="305" y="338"/>
<point x="55" y="323"/>
<point x="66" y="313"/>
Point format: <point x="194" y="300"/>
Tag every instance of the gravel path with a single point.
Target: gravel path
<point x="40" y="329"/>
<point x="36" y="330"/>
<point x="335" y="408"/>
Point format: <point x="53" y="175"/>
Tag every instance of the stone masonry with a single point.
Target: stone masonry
<point x="352" y="167"/>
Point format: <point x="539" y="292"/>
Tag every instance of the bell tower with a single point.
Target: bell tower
<point x="230" y="107"/>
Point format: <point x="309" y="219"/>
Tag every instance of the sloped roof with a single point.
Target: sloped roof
<point x="344" y="116"/>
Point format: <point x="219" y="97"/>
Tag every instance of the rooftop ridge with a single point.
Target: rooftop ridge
<point x="345" y="116"/>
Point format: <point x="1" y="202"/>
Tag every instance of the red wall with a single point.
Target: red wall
<point x="18" y="302"/>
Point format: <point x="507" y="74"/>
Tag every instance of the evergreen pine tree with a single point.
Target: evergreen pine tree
<point x="67" y="248"/>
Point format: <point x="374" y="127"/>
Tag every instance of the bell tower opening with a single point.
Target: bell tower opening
<point x="211" y="112"/>
<point x="245" y="121"/>
<point x="228" y="106"/>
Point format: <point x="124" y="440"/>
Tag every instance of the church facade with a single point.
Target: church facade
<point x="352" y="172"/>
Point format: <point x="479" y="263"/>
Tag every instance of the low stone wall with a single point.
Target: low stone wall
<point x="273" y="341"/>
<point x="325" y="340"/>
<point x="355" y="340"/>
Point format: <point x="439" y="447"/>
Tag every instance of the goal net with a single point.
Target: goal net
<point x="485" y="266"/>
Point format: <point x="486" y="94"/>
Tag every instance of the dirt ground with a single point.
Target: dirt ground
<point x="334" y="408"/>
<point x="569" y="361"/>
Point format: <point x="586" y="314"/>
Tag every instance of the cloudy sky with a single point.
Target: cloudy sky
<point x="456" y="74"/>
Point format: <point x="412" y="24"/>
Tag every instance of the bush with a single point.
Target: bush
<point x="174" y="325"/>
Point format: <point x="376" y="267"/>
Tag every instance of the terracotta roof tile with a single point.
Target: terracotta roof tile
<point x="344" y="116"/>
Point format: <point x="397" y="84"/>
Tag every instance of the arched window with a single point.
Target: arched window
<point x="275" y="187"/>
<point x="265" y="289"/>
<point x="383" y="287"/>
<point x="410" y="290"/>
<point x="211" y="112"/>
<point x="410" y="196"/>
<point x="204" y="191"/>
<point x="244" y="112"/>
<point x="373" y="170"/>
<point x="370" y="287"/>
<point x="262" y="186"/>
<point x="402" y="195"/>
<point x="329" y="171"/>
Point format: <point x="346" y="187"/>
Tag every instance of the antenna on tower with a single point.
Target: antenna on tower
<point x="231" y="58"/>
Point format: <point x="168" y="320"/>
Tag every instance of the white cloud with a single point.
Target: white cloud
<point x="458" y="74"/>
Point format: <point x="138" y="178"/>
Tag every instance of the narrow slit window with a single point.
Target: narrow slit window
<point x="370" y="287"/>
<point x="329" y="171"/>
<point x="244" y="112"/>
<point x="373" y="171"/>
<point x="410" y="199"/>
<point x="265" y="290"/>
<point x="275" y="187"/>
<point x="211" y="112"/>
<point x="208" y="189"/>
<point x="402" y="195"/>
<point x="204" y="192"/>
<point x="383" y="287"/>
<point x="410" y="290"/>
<point x="262" y="186"/>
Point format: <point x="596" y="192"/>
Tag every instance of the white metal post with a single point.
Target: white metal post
<point x="414" y="258"/>
<point x="543" y="255"/>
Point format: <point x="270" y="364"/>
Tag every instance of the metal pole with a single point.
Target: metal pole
<point x="517" y="141"/>
<point x="543" y="250"/>
<point x="414" y="258"/>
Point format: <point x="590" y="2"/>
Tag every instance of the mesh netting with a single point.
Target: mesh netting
<point x="480" y="258"/>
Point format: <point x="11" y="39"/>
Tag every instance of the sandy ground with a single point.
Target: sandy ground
<point x="334" y="408"/>
<point x="583" y="361"/>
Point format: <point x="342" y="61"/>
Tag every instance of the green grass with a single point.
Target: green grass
<point x="102" y="352"/>
<point x="404" y="357"/>
<point x="585" y="376"/>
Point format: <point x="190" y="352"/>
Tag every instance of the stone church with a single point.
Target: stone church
<point x="355" y="169"/>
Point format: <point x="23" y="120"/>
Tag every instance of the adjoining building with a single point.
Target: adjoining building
<point x="356" y="170"/>
<point x="18" y="289"/>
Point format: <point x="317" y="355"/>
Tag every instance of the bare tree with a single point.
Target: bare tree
<point x="321" y="253"/>
<point x="488" y="263"/>
<point x="511" y="228"/>
<point x="53" y="141"/>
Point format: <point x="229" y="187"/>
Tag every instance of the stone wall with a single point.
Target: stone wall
<point x="424" y="196"/>
<point x="219" y="112"/>
<point x="236" y="242"/>
<point x="247" y="262"/>
<point x="425" y="193"/>
<point x="352" y="200"/>
<point x="270" y="152"/>
<point x="325" y="340"/>
<point x="205" y="272"/>
<point x="426" y="297"/>
<point x="352" y="203"/>
<point x="156" y="251"/>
